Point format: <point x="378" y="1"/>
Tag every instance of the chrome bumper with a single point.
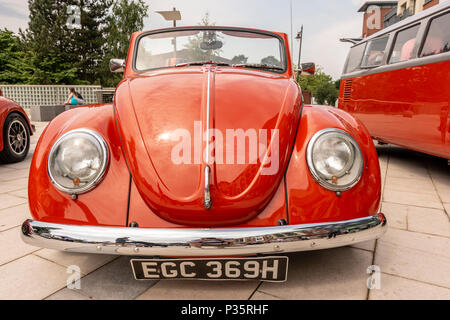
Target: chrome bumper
<point x="202" y="242"/>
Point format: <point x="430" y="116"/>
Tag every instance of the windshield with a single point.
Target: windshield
<point x="227" y="47"/>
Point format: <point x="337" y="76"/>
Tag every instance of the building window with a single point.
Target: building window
<point x="438" y="37"/>
<point x="403" y="9"/>
<point x="375" y="51"/>
<point x="404" y="44"/>
<point x="413" y="6"/>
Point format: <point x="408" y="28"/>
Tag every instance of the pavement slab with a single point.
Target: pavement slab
<point x="14" y="174"/>
<point x="415" y="256"/>
<point x="31" y="277"/>
<point x="411" y="185"/>
<point x="114" y="281"/>
<point x="412" y="198"/>
<point x="22" y="193"/>
<point x="397" y="288"/>
<point x="200" y="290"/>
<point x="8" y="201"/>
<point x="447" y="209"/>
<point x="14" y="185"/>
<point x="429" y="221"/>
<point x="396" y="215"/>
<point x="339" y="273"/>
<point x="417" y="241"/>
<point x="366" y="245"/>
<point x="12" y="246"/>
<point x="264" y="296"/>
<point x="85" y="261"/>
<point x="13" y="216"/>
<point x="68" y="294"/>
<point x="440" y="175"/>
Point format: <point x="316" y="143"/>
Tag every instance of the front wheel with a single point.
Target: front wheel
<point x="16" y="139"/>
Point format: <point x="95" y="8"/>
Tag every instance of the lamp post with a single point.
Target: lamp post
<point x="172" y="15"/>
<point x="299" y="37"/>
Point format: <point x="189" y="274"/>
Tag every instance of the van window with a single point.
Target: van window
<point x="354" y="58"/>
<point x="404" y="44"/>
<point x="375" y="52"/>
<point x="438" y="37"/>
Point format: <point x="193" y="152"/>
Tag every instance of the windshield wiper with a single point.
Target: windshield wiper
<point x="201" y="63"/>
<point x="258" y="66"/>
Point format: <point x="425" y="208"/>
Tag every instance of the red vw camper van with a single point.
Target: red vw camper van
<point x="397" y="82"/>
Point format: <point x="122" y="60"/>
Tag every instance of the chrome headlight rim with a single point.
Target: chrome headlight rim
<point x="356" y="151"/>
<point x="105" y="161"/>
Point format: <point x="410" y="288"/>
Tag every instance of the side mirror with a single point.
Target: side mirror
<point x="117" y="65"/>
<point x="308" y="68"/>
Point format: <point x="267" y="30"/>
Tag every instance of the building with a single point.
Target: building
<point x="374" y="12"/>
<point x="415" y="6"/>
<point x="407" y="8"/>
<point x="381" y="14"/>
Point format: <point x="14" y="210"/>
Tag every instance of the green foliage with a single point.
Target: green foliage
<point x="338" y="84"/>
<point x="89" y="40"/>
<point x="126" y="18"/>
<point x="326" y="92"/>
<point x="49" y="44"/>
<point x="270" y="61"/>
<point x="52" y="52"/>
<point x="193" y="45"/>
<point x="321" y="85"/>
<point x="14" y="67"/>
<point x="239" y="59"/>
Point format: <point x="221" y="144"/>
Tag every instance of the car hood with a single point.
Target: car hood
<point x="162" y="119"/>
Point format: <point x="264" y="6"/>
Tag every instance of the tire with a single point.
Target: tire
<point x="16" y="139"/>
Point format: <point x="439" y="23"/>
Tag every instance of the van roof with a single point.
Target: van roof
<point x="417" y="17"/>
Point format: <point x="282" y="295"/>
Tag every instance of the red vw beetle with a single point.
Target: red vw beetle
<point x="207" y="151"/>
<point x="15" y="131"/>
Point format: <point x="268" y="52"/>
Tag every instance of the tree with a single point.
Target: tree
<point x="321" y="85"/>
<point x="338" y="84"/>
<point x="14" y="67"/>
<point x="89" y="41"/>
<point x="270" y="61"/>
<point x="239" y="59"/>
<point x="192" y="47"/>
<point x="61" y="53"/>
<point x="54" y="51"/>
<point x="326" y="93"/>
<point x="48" y="43"/>
<point x="126" y="17"/>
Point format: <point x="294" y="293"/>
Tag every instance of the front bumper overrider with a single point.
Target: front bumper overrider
<point x="202" y="242"/>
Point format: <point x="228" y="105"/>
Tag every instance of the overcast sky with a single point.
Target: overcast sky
<point x="325" y="21"/>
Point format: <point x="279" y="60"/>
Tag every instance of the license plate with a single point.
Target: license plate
<point x="272" y="269"/>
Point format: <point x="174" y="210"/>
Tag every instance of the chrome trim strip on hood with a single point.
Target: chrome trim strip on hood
<point x="202" y="242"/>
<point x="207" y="201"/>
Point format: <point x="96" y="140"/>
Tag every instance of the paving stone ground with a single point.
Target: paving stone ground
<point x="413" y="256"/>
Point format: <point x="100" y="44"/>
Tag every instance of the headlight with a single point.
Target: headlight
<point x="77" y="161"/>
<point x="335" y="159"/>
